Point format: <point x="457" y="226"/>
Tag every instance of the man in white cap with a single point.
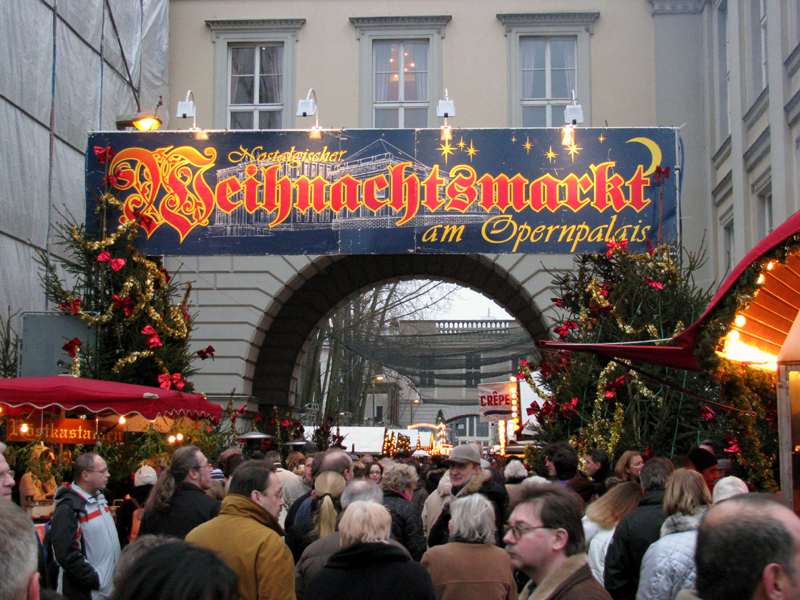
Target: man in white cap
<point x="468" y="477"/>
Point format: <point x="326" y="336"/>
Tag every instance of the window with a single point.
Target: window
<point x="400" y="70"/>
<point x="548" y="79"/>
<point x="401" y="84"/>
<point x="548" y="58"/>
<point x="254" y="65"/>
<point x="727" y="244"/>
<point x="472" y="370"/>
<point x="758" y="42"/>
<point x="255" y="100"/>
<point x="763" y="210"/>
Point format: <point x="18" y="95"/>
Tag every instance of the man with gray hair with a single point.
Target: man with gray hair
<point x="636" y="531"/>
<point x="19" y="578"/>
<point x="317" y="554"/>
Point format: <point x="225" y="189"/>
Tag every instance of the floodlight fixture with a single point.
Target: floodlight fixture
<point x="143" y="121"/>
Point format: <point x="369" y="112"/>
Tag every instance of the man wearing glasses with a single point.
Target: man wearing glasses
<point x="545" y="541"/>
<point x="178" y="502"/>
<point x="247" y="534"/>
<point x="82" y="533"/>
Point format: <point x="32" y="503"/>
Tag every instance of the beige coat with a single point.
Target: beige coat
<point x="470" y="572"/>
<point x="435" y="502"/>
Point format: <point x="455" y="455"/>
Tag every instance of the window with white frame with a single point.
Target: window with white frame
<point x="549" y="58"/>
<point x="400" y="70"/>
<point x="764" y="213"/>
<point x="727" y="243"/>
<point x="758" y="46"/>
<point x="254" y="72"/>
<point x="401" y="96"/>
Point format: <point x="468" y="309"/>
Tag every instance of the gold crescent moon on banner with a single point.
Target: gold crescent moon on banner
<point x="654" y="150"/>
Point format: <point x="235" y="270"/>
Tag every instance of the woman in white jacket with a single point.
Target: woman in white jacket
<point x="668" y="565"/>
<point x="601" y="519"/>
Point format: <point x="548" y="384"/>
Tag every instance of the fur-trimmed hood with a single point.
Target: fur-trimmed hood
<point x="683" y="522"/>
<point x="475" y="483"/>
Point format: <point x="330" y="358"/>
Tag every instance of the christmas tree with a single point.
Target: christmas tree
<point x="597" y="402"/>
<point x="142" y="318"/>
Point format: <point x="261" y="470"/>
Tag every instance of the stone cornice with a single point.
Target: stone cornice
<point x="671" y="7"/>
<point x="586" y="20"/>
<point x="225" y="25"/>
<point x="405" y="22"/>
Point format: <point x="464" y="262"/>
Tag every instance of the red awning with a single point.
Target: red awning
<point x="91" y="396"/>
<point x="768" y="318"/>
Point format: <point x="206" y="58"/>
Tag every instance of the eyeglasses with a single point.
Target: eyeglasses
<point x="205" y="467"/>
<point x="519" y="530"/>
<point x="278" y="494"/>
<point x="11" y="474"/>
<point x="102" y="472"/>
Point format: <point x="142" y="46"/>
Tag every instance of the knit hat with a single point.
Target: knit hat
<point x="727" y="487"/>
<point x="217" y="475"/>
<point x="701" y="459"/>
<point x="146" y="475"/>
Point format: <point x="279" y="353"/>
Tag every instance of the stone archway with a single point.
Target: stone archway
<point x="328" y="282"/>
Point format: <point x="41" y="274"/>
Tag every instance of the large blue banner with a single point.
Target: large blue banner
<point x="389" y="191"/>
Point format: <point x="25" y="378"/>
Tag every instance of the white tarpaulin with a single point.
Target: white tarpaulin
<point x="369" y="440"/>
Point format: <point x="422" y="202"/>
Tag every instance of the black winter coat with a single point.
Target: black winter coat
<point x="369" y="572"/>
<point x="406" y="524"/>
<point x="190" y="507"/>
<point x="632" y="537"/>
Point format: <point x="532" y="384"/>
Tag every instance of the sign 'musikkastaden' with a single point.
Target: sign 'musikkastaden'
<point x="390" y="191"/>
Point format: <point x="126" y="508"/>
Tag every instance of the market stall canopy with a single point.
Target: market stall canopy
<point x="758" y="332"/>
<point x="91" y="396"/>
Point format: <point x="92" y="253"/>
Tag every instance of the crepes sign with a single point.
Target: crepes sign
<point x="388" y="191"/>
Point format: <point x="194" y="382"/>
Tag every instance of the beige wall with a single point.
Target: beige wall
<point x="474" y="52"/>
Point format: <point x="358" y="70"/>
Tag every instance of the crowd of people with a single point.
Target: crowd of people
<point x="328" y="525"/>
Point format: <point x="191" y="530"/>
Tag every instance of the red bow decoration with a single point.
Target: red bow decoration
<point x="654" y="284"/>
<point x="126" y="304"/>
<point x="612" y="245"/>
<point x="146" y="221"/>
<point x="104" y="256"/>
<point x="103" y="154"/>
<point x="563" y="330"/>
<point x="73" y="306"/>
<point x="111" y="178"/>
<point x="568" y="408"/>
<point x="706" y="413"/>
<point x="557" y="301"/>
<point x="732" y="445"/>
<point x="606" y="291"/>
<point x="520" y="376"/>
<point x="286" y="423"/>
<point x="185" y="314"/>
<point x="207" y="353"/>
<point x="165" y="274"/>
<point x="647" y="453"/>
<point x="116" y="263"/>
<point x="154" y="341"/>
<point x="650" y="248"/>
<point x="661" y="173"/>
<point x="612" y="387"/>
<point x="523" y="363"/>
<point x="166" y="380"/>
<point x="533" y="409"/>
<point x="71" y="347"/>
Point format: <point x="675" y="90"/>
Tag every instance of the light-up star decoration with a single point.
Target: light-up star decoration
<point x="472" y="151"/>
<point x="447" y="150"/>
<point x="602" y="138"/>
<point x="527" y="145"/>
<point x="573" y="150"/>
<point x="513" y="139"/>
<point x="461" y="144"/>
<point x="550" y="154"/>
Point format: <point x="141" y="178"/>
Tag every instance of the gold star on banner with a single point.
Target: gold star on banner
<point x="446" y="149"/>
<point x="472" y="151"/>
<point x="602" y="138"/>
<point x="513" y="139"/>
<point x="573" y="150"/>
<point x="461" y="144"/>
<point x="527" y="145"/>
<point x="550" y="154"/>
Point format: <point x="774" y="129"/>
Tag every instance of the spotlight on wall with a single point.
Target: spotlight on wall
<point x="445" y="109"/>
<point x="187" y="109"/>
<point x="573" y="114"/>
<point x="308" y="108"/>
<point x="143" y="121"/>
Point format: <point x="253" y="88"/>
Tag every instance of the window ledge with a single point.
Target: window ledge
<point x="225" y="25"/>
<point x="721" y="154"/>
<point x="757" y="109"/>
<point x="585" y="20"/>
<point x="363" y="24"/>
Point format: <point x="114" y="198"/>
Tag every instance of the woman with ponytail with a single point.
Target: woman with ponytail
<point x="178" y="502"/>
<point x="325" y="508"/>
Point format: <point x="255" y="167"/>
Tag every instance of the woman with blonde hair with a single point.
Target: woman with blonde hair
<point x="398" y="485"/>
<point x="368" y="567"/>
<point x="325" y="509"/>
<point x="668" y="565"/>
<point x="602" y="518"/>
<point x="629" y="466"/>
<point x="470" y="566"/>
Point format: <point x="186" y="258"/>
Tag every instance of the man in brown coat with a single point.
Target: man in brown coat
<point x="546" y="542"/>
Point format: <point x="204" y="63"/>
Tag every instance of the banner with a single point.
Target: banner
<point x="393" y="191"/>
<point x="497" y="401"/>
<point x="64" y="431"/>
